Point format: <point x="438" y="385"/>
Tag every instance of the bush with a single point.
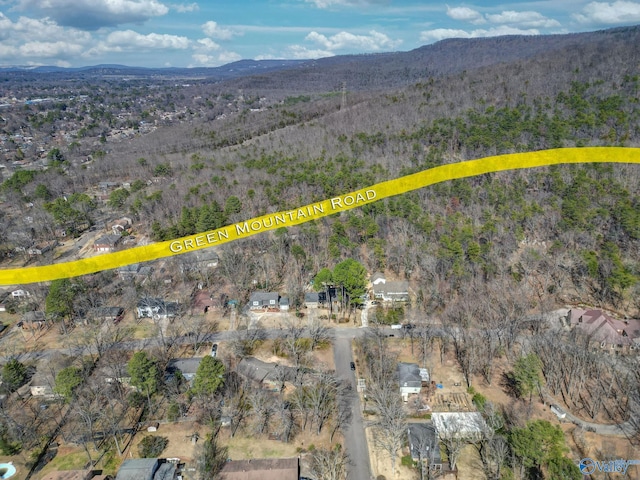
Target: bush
<point x="407" y="461"/>
<point x="173" y="412"/>
<point x="136" y="399"/>
<point x="479" y="400"/>
<point x="152" y="446"/>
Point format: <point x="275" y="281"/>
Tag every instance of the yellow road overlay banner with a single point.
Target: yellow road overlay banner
<point x="317" y="210"/>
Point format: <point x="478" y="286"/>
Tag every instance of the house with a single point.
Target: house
<point x="107" y="243"/>
<point x="204" y="258"/>
<point x="108" y="185"/>
<point x="378" y="279"/>
<point x="129" y="272"/>
<point x="467" y="426"/>
<point x="186" y="366"/>
<point x="604" y="331"/>
<point x="41" y="248"/>
<point x="424" y="445"/>
<point x="120" y="226"/>
<point x="409" y="379"/>
<point x="261" y="469"/>
<point x="264" y="300"/>
<point x="147" y="469"/>
<point x="106" y="314"/>
<point x="311" y="299"/>
<point x="70" y="475"/>
<point x="114" y="373"/>
<point x="284" y="303"/>
<point x="41" y="385"/>
<point x="389" y="291"/>
<point x="157" y="308"/>
<point x="270" y="375"/>
<point x="33" y="320"/>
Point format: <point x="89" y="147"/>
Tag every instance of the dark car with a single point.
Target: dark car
<point x="214" y="350"/>
<point x="352" y="365"/>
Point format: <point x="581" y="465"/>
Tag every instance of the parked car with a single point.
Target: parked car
<point x="352" y="365"/>
<point x="214" y="350"/>
<point x="396" y="326"/>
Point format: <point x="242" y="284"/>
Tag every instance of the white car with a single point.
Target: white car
<point x="396" y="326"/>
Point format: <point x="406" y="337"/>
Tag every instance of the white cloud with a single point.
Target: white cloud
<point x="213" y="30"/>
<point x="619" y="12"/>
<point x="228" y="57"/>
<point x="205" y="60"/>
<point x="375" y="41"/>
<point x="128" y="40"/>
<point x="93" y="14"/>
<point x="29" y="40"/>
<point x="185" y="7"/>
<point x="208" y="44"/>
<point x="50" y="49"/>
<point x="346" y="3"/>
<point x="299" y="52"/>
<point x="465" y="14"/>
<point x="442" y="33"/>
<point x="523" y="19"/>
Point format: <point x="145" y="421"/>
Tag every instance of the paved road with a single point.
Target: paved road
<point x="354" y="436"/>
<point x="135" y="345"/>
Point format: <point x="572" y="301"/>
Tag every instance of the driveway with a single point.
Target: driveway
<point x="354" y="435"/>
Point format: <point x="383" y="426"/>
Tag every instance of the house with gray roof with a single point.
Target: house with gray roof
<point x="106" y="314"/>
<point x="269" y="375"/>
<point x="424" y="445"/>
<point x="263" y="300"/>
<point x="389" y="291"/>
<point x="186" y="366"/>
<point x="107" y="243"/>
<point x="409" y="379"/>
<point x="146" y="469"/>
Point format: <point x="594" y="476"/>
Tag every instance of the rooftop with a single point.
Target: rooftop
<point x="261" y="469"/>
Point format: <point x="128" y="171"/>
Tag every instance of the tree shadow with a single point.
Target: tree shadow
<point x="509" y="384"/>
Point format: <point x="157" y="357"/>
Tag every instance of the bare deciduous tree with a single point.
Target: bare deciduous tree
<point x="329" y="464"/>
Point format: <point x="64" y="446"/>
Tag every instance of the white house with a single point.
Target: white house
<point x="409" y="379"/>
<point x="157" y="308"/>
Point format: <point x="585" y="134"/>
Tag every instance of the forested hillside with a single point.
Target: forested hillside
<point x="567" y="233"/>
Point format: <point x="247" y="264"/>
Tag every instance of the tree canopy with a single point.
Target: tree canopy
<point x="527" y="373"/>
<point x="59" y="301"/>
<point x="67" y="380"/>
<point x="144" y="373"/>
<point x="209" y="376"/>
<point x="324" y="276"/>
<point x="538" y="444"/>
<point x="14" y="374"/>
<point x="352" y="275"/>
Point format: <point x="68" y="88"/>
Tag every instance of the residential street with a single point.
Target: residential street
<point x="354" y="436"/>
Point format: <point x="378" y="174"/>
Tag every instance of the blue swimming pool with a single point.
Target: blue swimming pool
<point x="7" y="470"/>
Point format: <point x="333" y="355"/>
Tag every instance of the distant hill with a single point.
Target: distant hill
<point x="448" y="57"/>
<point x="375" y="71"/>
<point x="229" y="71"/>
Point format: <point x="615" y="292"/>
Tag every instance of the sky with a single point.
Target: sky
<point x="209" y="33"/>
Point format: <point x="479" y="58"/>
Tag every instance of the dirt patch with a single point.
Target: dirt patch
<point x="179" y="435"/>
